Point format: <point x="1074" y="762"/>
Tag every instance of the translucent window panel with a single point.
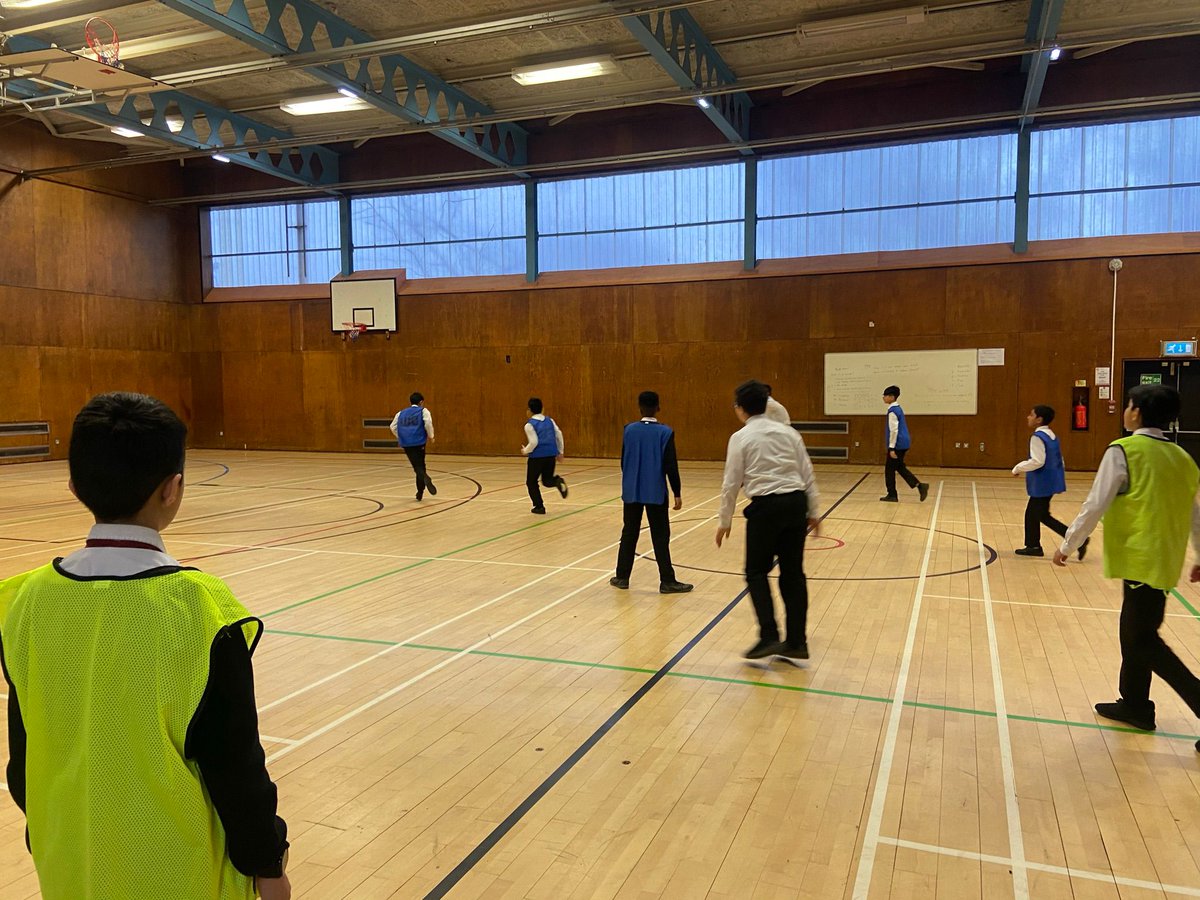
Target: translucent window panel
<point x="1056" y="160"/>
<point x="248" y="229"/>
<point x="987" y="166"/>
<point x="1103" y="214"/>
<point x="900" y="179"/>
<point x="863" y="171"/>
<point x="1185" y="209"/>
<point x="1148" y="211"/>
<point x="1104" y="156"/>
<point x="939" y="171"/>
<point x="860" y="232"/>
<point x="1054" y="218"/>
<point x="824" y="235"/>
<point x="1185" y="151"/>
<point x="274" y="243"/>
<point x="782" y="238"/>
<point x="825" y="182"/>
<point x="781" y="186"/>
<point x="898" y="229"/>
<point x="983" y="222"/>
<point x="1149" y="153"/>
<point x="937" y="226"/>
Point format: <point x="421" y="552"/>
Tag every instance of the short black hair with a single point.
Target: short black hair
<point x="1158" y="404"/>
<point x="1045" y="413"/>
<point x="416" y="397"/>
<point x="751" y="396"/>
<point x="892" y="390"/>
<point x="535" y="405"/>
<point x="648" y="402"/>
<point x="123" y="446"/>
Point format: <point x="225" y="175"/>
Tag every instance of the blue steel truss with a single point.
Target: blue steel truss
<point x="407" y="90"/>
<point x="1041" y="29"/>
<point x="676" y="42"/>
<point x="205" y="126"/>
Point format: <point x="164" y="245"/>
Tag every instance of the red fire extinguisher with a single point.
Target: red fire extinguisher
<point x="1080" y="416"/>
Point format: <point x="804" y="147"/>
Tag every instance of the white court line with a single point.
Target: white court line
<point x="277" y="562"/>
<point x="1016" y="838"/>
<point x="275" y="740"/>
<point x="1095" y="609"/>
<point x="1084" y="874"/>
<point x="375" y="701"/>
<point x="866" y="860"/>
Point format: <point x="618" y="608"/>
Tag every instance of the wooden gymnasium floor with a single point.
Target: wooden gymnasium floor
<point x="456" y="703"/>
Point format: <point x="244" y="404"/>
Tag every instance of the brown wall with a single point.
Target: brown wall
<point x="272" y="375"/>
<point x="92" y="285"/>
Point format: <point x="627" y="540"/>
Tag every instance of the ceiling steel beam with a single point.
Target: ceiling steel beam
<point x="198" y="126"/>
<point x="1041" y="30"/>
<point x="407" y="91"/>
<point x="675" y="40"/>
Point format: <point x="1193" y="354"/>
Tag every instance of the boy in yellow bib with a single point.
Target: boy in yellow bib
<point x="1145" y="490"/>
<point x="133" y="731"/>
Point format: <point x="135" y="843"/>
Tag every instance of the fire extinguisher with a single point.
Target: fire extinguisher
<point x="1080" y="416"/>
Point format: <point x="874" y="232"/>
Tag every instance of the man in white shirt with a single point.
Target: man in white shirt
<point x="770" y="462"/>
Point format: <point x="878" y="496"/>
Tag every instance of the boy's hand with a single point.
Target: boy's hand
<point x="1195" y="576"/>
<point x="275" y="888"/>
<point x="1060" y="558"/>
<point x="678" y="503"/>
<point x="559" y="458"/>
<point x="892" y="454"/>
<point x="722" y="533"/>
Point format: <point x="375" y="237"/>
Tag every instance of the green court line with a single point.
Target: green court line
<point x="423" y="562"/>
<point x="796" y="688"/>
<point x="1178" y="596"/>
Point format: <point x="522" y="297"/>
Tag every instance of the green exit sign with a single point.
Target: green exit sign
<point x="1179" y="348"/>
<point x="1151" y="379"/>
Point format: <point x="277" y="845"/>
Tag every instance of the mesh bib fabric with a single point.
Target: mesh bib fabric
<point x="109" y="674"/>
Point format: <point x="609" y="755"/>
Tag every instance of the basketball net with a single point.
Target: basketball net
<point x="103" y="40"/>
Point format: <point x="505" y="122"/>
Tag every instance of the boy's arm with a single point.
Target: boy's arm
<point x="893" y="429"/>
<point x="812" y="496"/>
<point x="223" y="739"/>
<point x="16" y="745"/>
<point x="1111" y="479"/>
<point x="1037" y="457"/>
<point x="671" y="467"/>
<point x="558" y="439"/>
<point x="394" y="428"/>
<point x="428" y="417"/>
<point x="735" y="474"/>
<point x="531" y="440"/>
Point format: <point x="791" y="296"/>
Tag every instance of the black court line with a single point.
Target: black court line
<point x="498" y="833"/>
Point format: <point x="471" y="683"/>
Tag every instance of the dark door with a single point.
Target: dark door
<point x="1188" y="434"/>
<point x="1146" y="371"/>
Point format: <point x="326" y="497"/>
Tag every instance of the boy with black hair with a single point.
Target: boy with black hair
<point x="648" y="462"/>
<point x="770" y="461"/>
<point x="544" y="448"/>
<point x="413" y="428"/>
<point x="898" y="444"/>
<point x="133" y="731"/>
<point x="1145" y="489"/>
<point x="1045" y="476"/>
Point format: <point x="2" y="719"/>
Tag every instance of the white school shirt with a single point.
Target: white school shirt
<point x="1112" y="478"/>
<point x="765" y="457"/>
<point x="118" y="562"/>
<point x="1037" y="452"/>
<point x="893" y="425"/>
<point x="425" y="417"/>
<point x="531" y="438"/>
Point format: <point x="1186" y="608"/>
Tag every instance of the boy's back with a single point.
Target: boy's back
<point x="109" y="674"/>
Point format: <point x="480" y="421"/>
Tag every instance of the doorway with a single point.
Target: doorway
<point x="1184" y="376"/>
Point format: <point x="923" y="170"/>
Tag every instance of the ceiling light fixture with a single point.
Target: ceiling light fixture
<point x="126" y="132"/>
<point x="912" y="15"/>
<point x="1055" y="53"/>
<point x="28" y="4"/>
<point x="220" y="157"/>
<point x="704" y="103"/>
<point x="567" y="70"/>
<point x="342" y="101"/>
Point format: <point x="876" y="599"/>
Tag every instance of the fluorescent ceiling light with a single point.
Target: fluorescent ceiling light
<point x="703" y="102"/>
<point x="588" y="67"/>
<point x="324" y="103"/>
<point x="1055" y="53"/>
<point x="220" y="157"/>
<point x="912" y="15"/>
<point x="27" y="4"/>
<point x="126" y="132"/>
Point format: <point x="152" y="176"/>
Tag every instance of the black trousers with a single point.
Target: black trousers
<point x="1143" y="652"/>
<point x="416" y="456"/>
<point x="894" y="466"/>
<point x="539" y="468"/>
<point x="776" y="525"/>
<point x="660" y="537"/>
<point x="1037" y="514"/>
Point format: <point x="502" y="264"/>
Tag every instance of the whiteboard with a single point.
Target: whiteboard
<point x="369" y="301"/>
<point x="931" y="382"/>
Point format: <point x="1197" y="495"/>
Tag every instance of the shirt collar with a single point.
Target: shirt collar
<point x="539" y="416"/>
<point x="107" y="532"/>
<point x="649" y="419"/>
<point x="1152" y="432"/>
<point x="893" y="404"/>
<point x="1045" y="429"/>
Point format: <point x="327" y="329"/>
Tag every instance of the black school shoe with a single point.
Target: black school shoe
<point x="674" y="587"/>
<point x="923" y="490"/>
<point x="763" y="649"/>
<point x="622" y="583"/>
<point x="420" y="494"/>
<point x="1121" y="711"/>
<point x="429" y="486"/>
<point x="538" y="510"/>
<point x="793" y="651"/>
<point x="1083" y="548"/>
<point x="1030" y="551"/>
<point x="890" y="498"/>
<point x="561" y="484"/>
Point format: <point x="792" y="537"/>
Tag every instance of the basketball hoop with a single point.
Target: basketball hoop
<point x="103" y="41"/>
<point x="354" y="329"/>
